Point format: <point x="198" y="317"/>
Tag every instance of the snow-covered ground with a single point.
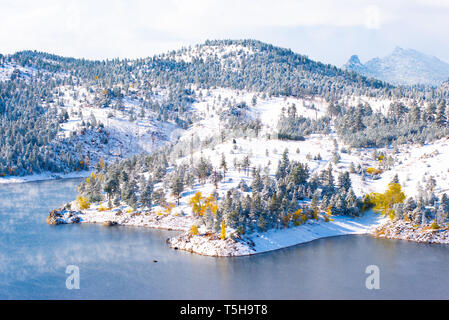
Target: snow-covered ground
<point x="44" y="176"/>
<point x="126" y="137"/>
<point x="7" y="69"/>
<point x="278" y="239"/>
<point x="410" y="231"/>
<point x="411" y="163"/>
<point x="414" y="164"/>
<point x="209" y="244"/>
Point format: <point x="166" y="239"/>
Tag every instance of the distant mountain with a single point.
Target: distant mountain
<point x="403" y="66"/>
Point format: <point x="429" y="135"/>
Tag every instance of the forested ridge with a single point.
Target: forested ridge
<point x="31" y="113"/>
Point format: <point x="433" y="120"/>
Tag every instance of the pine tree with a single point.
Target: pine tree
<point x="444" y="201"/>
<point x="257" y="185"/>
<point x="177" y="186"/>
<point x="147" y="194"/>
<point x="440" y="118"/>
<point x="395" y="179"/>
<point x="223" y="165"/>
<point x="246" y="164"/>
<point x="314" y="204"/>
<point x="216" y="177"/>
<point x="262" y="224"/>
<point x="344" y="181"/>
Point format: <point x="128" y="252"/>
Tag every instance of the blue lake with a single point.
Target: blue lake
<point x="117" y="262"/>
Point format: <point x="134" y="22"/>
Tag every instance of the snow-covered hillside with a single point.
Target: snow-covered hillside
<point x="414" y="165"/>
<point x="231" y="139"/>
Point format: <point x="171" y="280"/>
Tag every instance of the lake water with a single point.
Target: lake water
<point x="117" y="262"/>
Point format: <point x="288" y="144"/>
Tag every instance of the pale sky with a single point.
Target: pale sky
<point x="325" y="30"/>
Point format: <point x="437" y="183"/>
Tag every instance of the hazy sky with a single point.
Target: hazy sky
<point x="325" y="30"/>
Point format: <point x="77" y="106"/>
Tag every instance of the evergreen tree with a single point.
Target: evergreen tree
<point x="146" y="195"/>
<point x="177" y="186"/>
<point x="223" y="165"/>
<point x="344" y="181"/>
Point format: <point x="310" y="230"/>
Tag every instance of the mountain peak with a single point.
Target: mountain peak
<point x="354" y="64"/>
<point x="354" y="59"/>
<point x="399" y="50"/>
<point x="403" y="66"/>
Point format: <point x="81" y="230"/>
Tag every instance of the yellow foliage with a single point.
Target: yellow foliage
<point x="211" y="204"/>
<point x="101" y="163"/>
<point x="130" y="210"/>
<point x="380" y="232"/>
<point x="373" y="171"/>
<point x="169" y="207"/>
<point x="87" y="180"/>
<point x="101" y="208"/>
<point x="200" y="204"/>
<point x="197" y="204"/>
<point x="194" y="230"/>
<point x="223" y="230"/>
<point x="435" y="226"/>
<point x="83" y="202"/>
<point x="315" y="214"/>
<point x="296" y="217"/>
<point x="285" y="220"/>
<point x="383" y="202"/>
<point x="303" y="217"/>
<point x="328" y="214"/>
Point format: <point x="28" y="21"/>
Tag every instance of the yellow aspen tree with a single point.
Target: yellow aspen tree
<point x="197" y="204"/>
<point x="223" y="230"/>
<point x="101" y="163"/>
<point x="211" y="203"/>
<point x="315" y="213"/>
<point x="83" y="203"/>
<point x="383" y="202"/>
<point x="296" y="218"/>
<point x="194" y="230"/>
<point x="169" y="207"/>
<point x="328" y="214"/>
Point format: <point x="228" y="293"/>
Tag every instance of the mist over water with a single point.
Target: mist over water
<point x="118" y="262"/>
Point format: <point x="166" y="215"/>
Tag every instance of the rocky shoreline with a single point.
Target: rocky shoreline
<point x="117" y="216"/>
<point x="204" y="244"/>
<point x="403" y="230"/>
<point x="207" y="243"/>
<point x="210" y="244"/>
<point x="56" y="217"/>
